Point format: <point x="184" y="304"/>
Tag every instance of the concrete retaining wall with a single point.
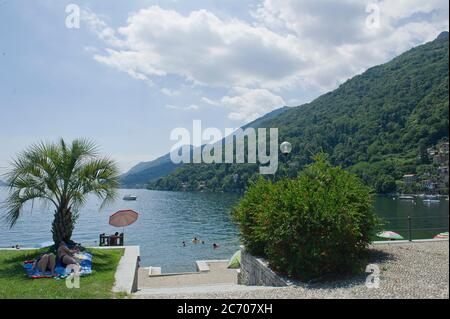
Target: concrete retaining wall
<point x="127" y="270"/>
<point x="255" y="272"/>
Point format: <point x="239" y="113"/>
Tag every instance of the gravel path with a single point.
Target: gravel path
<point x="407" y="270"/>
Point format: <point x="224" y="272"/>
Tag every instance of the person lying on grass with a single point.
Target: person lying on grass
<point x="66" y="255"/>
<point x="44" y="263"/>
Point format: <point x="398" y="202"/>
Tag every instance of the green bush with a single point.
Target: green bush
<point x="316" y="225"/>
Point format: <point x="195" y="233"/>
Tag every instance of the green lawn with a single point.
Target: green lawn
<point x="14" y="284"/>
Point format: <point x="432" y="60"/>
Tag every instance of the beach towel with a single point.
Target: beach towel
<point x="62" y="272"/>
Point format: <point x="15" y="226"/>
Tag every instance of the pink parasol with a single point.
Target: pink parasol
<point x="123" y="218"/>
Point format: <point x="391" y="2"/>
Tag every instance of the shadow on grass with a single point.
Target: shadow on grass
<point x="103" y="261"/>
<point x="13" y="266"/>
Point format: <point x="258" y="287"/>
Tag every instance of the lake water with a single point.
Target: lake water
<point x="169" y="218"/>
<point x="427" y="219"/>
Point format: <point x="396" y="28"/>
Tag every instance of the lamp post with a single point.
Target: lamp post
<point x="286" y="149"/>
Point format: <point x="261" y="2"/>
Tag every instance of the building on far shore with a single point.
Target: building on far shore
<point x="409" y="179"/>
<point x="439" y="155"/>
<point x="443" y="174"/>
<point x="443" y="148"/>
<point x="428" y="185"/>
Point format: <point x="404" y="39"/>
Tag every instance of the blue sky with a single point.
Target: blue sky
<point x="137" y="69"/>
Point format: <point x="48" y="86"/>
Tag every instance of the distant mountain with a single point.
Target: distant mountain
<point x="377" y="125"/>
<point x="143" y="173"/>
<point x="140" y="175"/>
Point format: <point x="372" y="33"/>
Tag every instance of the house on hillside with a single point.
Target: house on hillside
<point x="443" y="148"/>
<point x="443" y="174"/>
<point x="428" y="185"/>
<point x="410" y="179"/>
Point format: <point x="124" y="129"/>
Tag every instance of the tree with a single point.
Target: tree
<point x="385" y="184"/>
<point x="318" y="224"/>
<point x="62" y="175"/>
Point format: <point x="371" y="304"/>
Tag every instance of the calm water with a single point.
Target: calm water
<point x="169" y="218"/>
<point x="166" y="220"/>
<point x="427" y="219"/>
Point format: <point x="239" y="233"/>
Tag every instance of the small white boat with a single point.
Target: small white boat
<point x="130" y="198"/>
<point x="432" y="201"/>
<point x="406" y="197"/>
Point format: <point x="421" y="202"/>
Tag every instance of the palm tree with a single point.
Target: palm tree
<point x="62" y="175"/>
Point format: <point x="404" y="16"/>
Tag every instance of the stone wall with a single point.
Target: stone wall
<point x="255" y="272"/>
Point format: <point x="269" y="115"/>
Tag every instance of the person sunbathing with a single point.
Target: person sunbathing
<point x="44" y="263"/>
<point x="66" y="255"/>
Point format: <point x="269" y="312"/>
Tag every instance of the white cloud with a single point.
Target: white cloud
<point x="191" y="107"/>
<point x="210" y="102"/>
<point x="405" y="8"/>
<point x="342" y="43"/>
<point x="202" y="49"/>
<point x="248" y="104"/>
<point x="290" y="46"/>
<point x="100" y="27"/>
<point x="169" y="92"/>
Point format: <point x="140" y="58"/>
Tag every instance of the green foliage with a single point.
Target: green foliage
<point x="377" y="125"/>
<point x="316" y="225"/>
<point x="62" y="175"/>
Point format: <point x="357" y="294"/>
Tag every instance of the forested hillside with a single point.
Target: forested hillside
<point x="378" y="125"/>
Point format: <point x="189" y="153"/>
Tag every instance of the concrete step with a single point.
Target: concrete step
<point x="199" y="289"/>
<point x="152" y="271"/>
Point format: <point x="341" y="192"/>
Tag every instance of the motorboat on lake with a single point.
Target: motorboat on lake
<point x="130" y="197"/>
<point x="406" y="197"/>
<point x="431" y="201"/>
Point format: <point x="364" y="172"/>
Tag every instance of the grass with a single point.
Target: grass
<point x="14" y="284"/>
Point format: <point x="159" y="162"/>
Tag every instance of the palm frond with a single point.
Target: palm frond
<point x="62" y="174"/>
<point x="99" y="177"/>
<point x="15" y="203"/>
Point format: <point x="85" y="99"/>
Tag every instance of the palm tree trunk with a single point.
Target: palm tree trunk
<point x="62" y="226"/>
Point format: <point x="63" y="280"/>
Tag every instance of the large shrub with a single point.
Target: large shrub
<point x="318" y="224"/>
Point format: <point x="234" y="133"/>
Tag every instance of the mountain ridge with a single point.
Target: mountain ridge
<point x="377" y="124"/>
<point x="144" y="172"/>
